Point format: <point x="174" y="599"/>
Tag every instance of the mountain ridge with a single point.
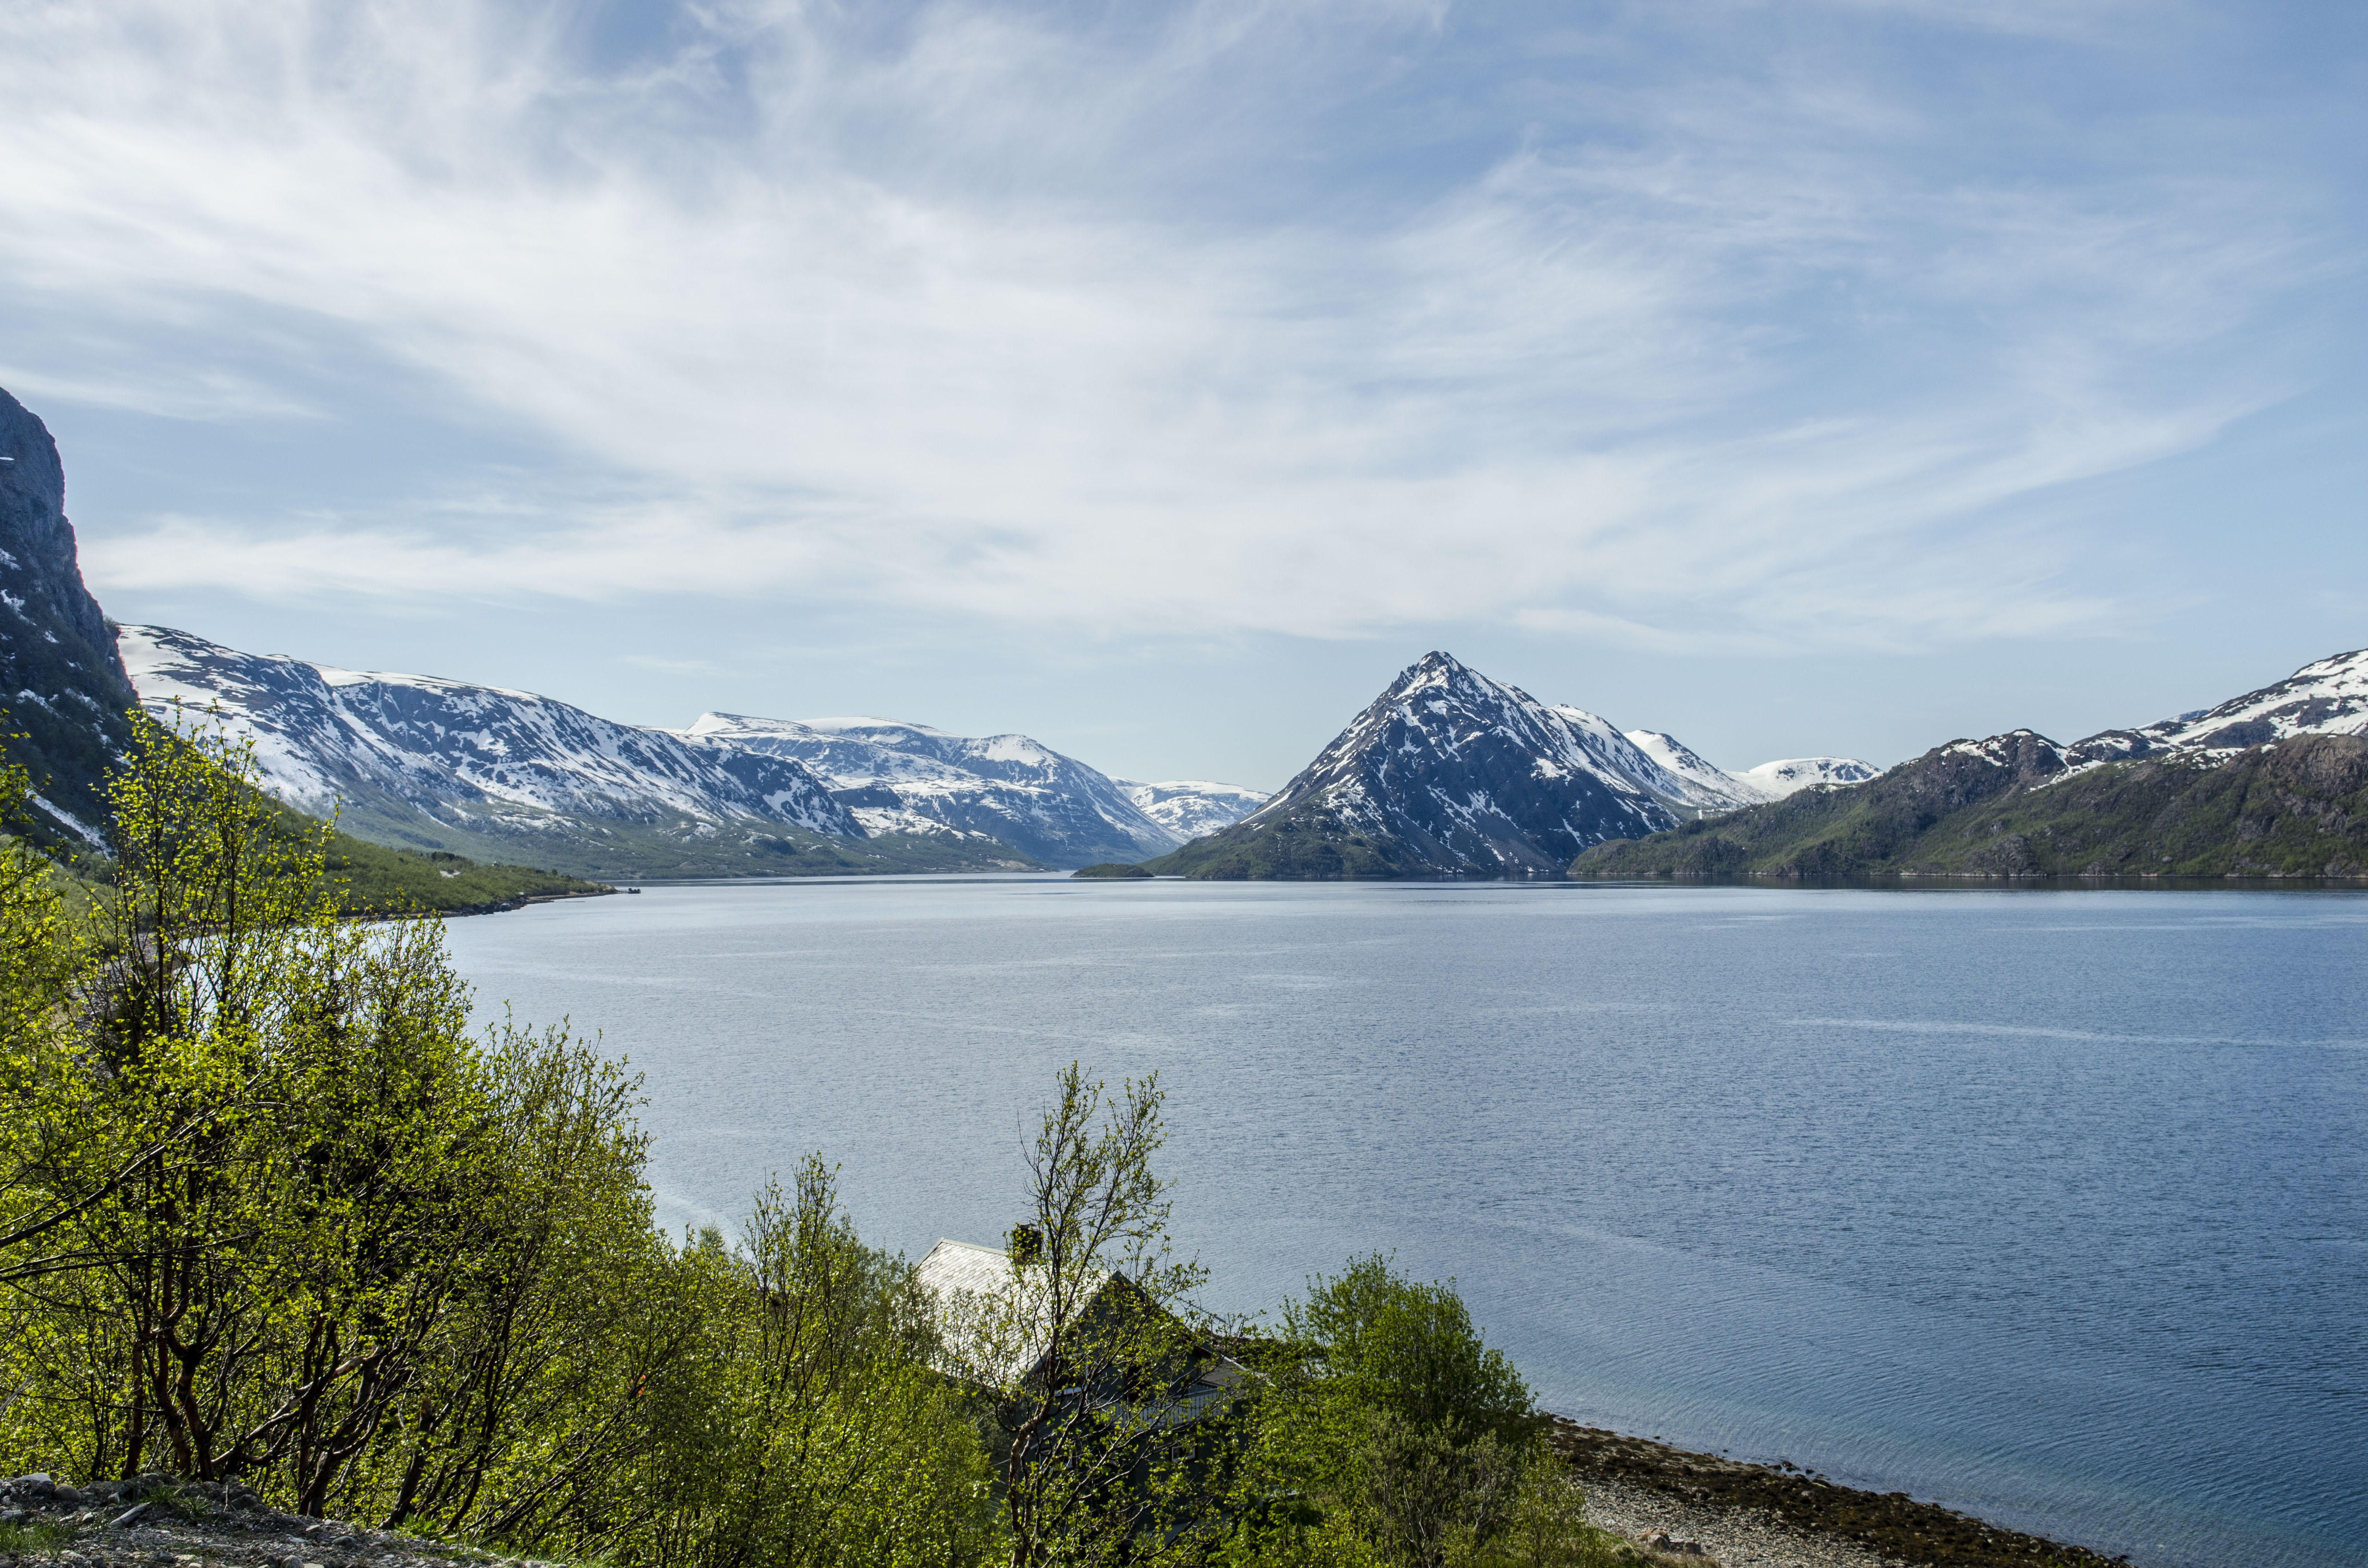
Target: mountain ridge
<point x="424" y="762"/>
<point x="900" y="777"/>
<point x="2273" y="783"/>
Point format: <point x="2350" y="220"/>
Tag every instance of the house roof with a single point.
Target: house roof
<point x="976" y="1291"/>
<point x="989" y="1315"/>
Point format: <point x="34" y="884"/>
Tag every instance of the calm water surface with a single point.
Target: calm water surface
<point x="2048" y="1206"/>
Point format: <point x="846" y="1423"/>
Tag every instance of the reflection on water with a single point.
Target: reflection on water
<point x="2045" y="1205"/>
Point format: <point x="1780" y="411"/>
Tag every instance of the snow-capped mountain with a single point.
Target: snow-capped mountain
<point x="1690" y="781"/>
<point x="1777" y="780"/>
<point x="2266" y="785"/>
<point x="1189" y="808"/>
<point x="897" y="777"/>
<point x="2329" y="698"/>
<point x="1450" y="773"/>
<point x="419" y="761"/>
<point x="1717" y="790"/>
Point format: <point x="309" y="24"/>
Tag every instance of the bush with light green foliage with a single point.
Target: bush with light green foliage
<point x="1389" y="1433"/>
<point x="272" y="1211"/>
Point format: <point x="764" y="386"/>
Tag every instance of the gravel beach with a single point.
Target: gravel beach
<point x="1749" y="1515"/>
<point x="1732" y="1537"/>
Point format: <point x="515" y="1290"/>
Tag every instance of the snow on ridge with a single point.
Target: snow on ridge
<point x="2327" y="696"/>
<point x="1439" y="708"/>
<point x="841" y="726"/>
<point x="1009" y="786"/>
<point x="1990" y="748"/>
<point x="323" y="735"/>
<point x="1711" y="787"/>
<point x="1790" y="774"/>
<point x="1191" y="808"/>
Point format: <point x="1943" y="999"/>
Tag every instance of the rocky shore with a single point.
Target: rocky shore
<point x="159" y="1522"/>
<point x="1751" y="1515"/>
<point x="1680" y="1507"/>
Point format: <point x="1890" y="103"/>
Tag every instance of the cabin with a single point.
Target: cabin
<point x="971" y="1285"/>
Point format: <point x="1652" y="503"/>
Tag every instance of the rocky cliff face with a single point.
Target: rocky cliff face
<point x="63" y="688"/>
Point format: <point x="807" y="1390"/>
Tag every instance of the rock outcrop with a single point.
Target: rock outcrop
<point x="64" y="689"/>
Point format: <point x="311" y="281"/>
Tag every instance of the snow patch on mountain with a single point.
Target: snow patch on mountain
<point x="916" y="778"/>
<point x="1473" y="776"/>
<point x="1790" y="774"/>
<point x="2328" y="698"/>
<point x="1191" y="808"/>
<point x="1697" y="783"/>
<point x="473" y="756"/>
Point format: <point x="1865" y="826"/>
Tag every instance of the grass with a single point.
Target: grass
<point x="39" y="1537"/>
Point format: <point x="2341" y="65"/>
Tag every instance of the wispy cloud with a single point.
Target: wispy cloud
<point x="962" y="309"/>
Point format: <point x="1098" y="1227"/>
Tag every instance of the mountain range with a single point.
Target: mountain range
<point x="484" y="772"/>
<point x="2273" y="783"/>
<point x="1448" y="772"/>
<point x="911" y="779"/>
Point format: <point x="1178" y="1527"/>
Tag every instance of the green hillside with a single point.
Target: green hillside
<point x="680" y="845"/>
<point x="2297" y="809"/>
<point x="1310" y="842"/>
<point x="373" y="879"/>
<point x="378" y="880"/>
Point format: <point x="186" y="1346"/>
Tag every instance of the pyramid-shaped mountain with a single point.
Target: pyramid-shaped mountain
<point x="1450" y="773"/>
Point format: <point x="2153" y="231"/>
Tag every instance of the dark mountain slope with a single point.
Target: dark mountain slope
<point x="2017" y="805"/>
<point x="61" y="682"/>
<point x="1448" y="773"/>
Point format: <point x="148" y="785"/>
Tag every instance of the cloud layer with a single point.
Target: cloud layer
<point x="1733" y="330"/>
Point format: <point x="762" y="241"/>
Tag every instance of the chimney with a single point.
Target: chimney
<point x="1025" y="1244"/>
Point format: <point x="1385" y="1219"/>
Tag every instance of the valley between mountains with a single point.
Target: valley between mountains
<point x="1447" y="773"/>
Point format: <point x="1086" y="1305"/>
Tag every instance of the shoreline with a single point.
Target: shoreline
<point x="1757" y="1515"/>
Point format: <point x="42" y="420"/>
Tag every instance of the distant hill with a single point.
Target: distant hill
<point x="1448" y="772"/>
<point x="376" y="880"/>
<point x="64" y="691"/>
<point x="2273" y="783"/>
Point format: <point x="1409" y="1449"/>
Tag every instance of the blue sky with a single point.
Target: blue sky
<point x="1838" y="375"/>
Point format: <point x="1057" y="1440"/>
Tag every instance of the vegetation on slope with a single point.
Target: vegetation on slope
<point x="685" y="846"/>
<point x="2297" y="809"/>
<point x="370" y="878"/>
<point x="1310" y="842"/>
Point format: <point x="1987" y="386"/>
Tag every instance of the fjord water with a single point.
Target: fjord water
<point x="2048" y="1206"/>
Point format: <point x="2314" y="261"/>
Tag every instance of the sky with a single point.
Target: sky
<point x="1818" y="377"/>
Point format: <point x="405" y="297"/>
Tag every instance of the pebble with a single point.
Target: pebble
<point x="1733" y="1538"/>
